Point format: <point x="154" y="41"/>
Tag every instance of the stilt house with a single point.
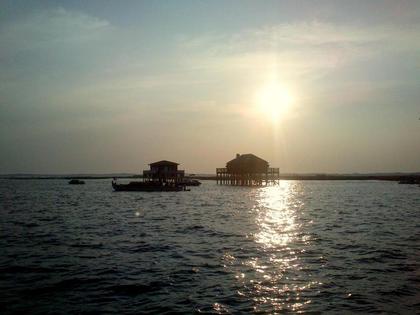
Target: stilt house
<point x="164" y="172"/>
<point x="247" y="170"/>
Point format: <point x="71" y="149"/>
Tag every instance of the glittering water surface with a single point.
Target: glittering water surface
<point x="314" y="246"/>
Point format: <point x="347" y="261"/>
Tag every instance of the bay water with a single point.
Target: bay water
<point x="299" y="247"/>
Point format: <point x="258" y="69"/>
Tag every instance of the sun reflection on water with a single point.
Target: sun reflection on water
<point x="276" y="279"/>
<point x="276" y="215"/>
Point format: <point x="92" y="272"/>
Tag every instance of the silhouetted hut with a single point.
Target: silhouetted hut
<point x="247" y="170"/>
<point x="164" y="172"/>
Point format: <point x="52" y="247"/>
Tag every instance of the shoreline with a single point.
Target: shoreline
<point x="390" y="177"/>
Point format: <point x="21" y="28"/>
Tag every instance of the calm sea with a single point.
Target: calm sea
<point x="303" y="246"/>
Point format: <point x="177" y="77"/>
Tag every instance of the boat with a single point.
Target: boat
<point x="162" y="176"/>
<point x="147" y="186"/>
<point x="76" y="182"/>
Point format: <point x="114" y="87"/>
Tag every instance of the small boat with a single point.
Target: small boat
<point x="76" y="182"/>
<point x="148" y="186"/>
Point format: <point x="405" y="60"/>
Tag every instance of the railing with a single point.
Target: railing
<point x="270" y="170"/>
<point x="167" y="174"/>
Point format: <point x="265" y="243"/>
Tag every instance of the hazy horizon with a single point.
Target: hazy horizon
<point x="108" y="87"/>
<point x="203" y="174"/>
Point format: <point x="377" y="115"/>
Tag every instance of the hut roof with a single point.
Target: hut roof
<point x="163" y="163"/>
<point x="246" y="158"/>
<point x="247" y="163"/>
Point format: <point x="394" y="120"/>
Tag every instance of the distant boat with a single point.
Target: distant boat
<point x="148" y="186"/>
<point x="76" y="182"/>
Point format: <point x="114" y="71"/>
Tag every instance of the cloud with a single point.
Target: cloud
<point x="46" y="54"/>
<point x="64" y="58"/>
<point x="327" y="64"/>
<point x="48" y="27"/>
<point x="300" y="48"/>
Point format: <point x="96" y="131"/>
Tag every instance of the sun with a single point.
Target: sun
<point x="273" y="101"/>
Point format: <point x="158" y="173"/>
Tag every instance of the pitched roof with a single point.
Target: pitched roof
<point x="163" y="163"/>
<point x="246" y="157"/>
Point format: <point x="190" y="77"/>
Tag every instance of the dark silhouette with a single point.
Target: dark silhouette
<point x="76" y="182"/>
<point x="162" y="176"/>
<point x="247" y="170"/>
<point x="163" y="172"/>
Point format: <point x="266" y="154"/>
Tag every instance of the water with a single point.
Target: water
<point x="304" y="246"/>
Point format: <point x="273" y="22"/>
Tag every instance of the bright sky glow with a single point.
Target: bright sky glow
<point x="273" y="101"/>
<point x="93" y="86"/>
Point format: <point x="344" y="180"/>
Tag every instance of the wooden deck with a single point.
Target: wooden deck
<point x="271" y="177"/>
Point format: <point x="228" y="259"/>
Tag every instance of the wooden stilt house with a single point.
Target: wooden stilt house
<point x="164" y="172"/>
<point x="247" y="170"/>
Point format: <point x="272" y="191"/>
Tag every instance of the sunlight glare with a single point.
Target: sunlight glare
<point x="277" y="221"/>
<point x="274" y="100"/>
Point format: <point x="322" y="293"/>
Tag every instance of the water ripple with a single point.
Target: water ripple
<point x="316" y="247"/>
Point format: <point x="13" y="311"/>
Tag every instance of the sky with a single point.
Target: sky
<point x="111" y="86"/>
